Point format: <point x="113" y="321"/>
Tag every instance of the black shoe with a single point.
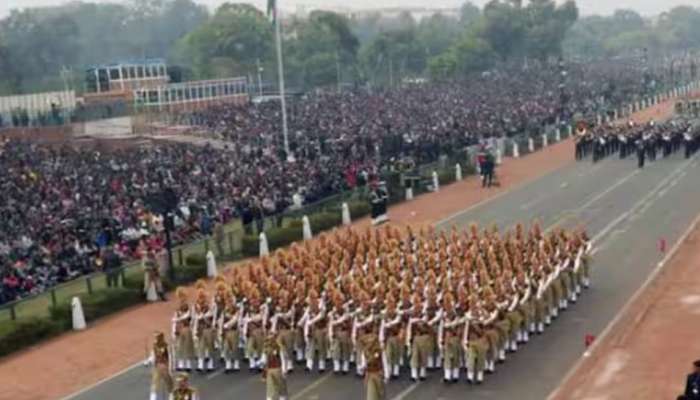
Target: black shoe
<point x="414" y="380"/>
<point x="422" y="378"/>
<point x="446" y="381"/>
<point x="455" y="380"/>
<point x="321" y="371"/>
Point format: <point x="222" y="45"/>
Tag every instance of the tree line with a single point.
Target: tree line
<point x="48" y="48"/>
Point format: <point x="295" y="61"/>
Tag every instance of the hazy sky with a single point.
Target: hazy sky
<point x="646" y="7"/>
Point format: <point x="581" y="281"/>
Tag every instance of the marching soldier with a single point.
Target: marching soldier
<point x="449" y="339"/>
<point x="474" y="342"/>
<point x="362" y="326"/>
<point x="281" y="324"/>
<point x="161" y="380"/>
<point x="204" y="332"/>
<point x="183" y="389"/>
<point x="418" y="340"/>
<point x="228" y="328"/>
<point x="374" y="375"/>
<point x="182" y="332"/>
<point x="339" y="332"/>
<point x="389" y="338"/>
<point x="273" y="374"/>
<point x="314" y="323"/>
<point x="254" y="332"/>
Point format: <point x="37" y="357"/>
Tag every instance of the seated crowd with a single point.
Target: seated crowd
<point x="61" y="207"/>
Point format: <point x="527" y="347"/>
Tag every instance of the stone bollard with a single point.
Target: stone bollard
<point x="545" y="140"/>
<point x="516" y="150"/>
<point x="306" y="228"/>
<point x="78" y="315"/>
<point x="458" y="172"/>
<point x="558" y="135"/>
<point x="570" y="131"/>
<point x="264" y="249"/>
<point x="211" y="265"/>
<point x="499" y="156"/>
<point x="436" y="182"/>
<point x="531" y="145"/>
<point x="409" y="193"/>
<point x="346" y="214"/>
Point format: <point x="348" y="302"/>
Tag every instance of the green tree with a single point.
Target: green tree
<point x="230" y="43"/>
<point x="469" y="14"/>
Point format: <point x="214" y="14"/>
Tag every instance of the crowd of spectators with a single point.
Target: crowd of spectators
<point x="62" y="208"/>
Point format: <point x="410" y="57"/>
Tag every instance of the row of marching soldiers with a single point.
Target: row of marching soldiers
<point x="451" y="300"/>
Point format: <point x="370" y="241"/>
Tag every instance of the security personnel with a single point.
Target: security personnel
<point x="641" y="145"/>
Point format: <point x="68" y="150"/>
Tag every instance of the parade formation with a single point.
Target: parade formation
<point x="384" y="302"/>
<point x="647" y="141"/>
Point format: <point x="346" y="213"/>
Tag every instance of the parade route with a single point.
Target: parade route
<point x="625" y="211"/>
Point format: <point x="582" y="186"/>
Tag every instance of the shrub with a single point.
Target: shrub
<point x="190" y="272"/>
<point x="98" y="304"/>
<point x="359" y="209"/>
<point x="196" y="259"/>
<point x="446" y="176"/>
<point x="17" y="335"/>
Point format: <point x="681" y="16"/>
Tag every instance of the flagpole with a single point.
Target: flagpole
<point x="280" y="73"/>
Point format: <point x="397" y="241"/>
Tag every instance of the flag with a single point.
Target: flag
<point x="272" y="10"/>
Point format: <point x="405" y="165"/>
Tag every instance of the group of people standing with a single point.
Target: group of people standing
<point x="383" y="301"/>
<point x="647" y="141"/>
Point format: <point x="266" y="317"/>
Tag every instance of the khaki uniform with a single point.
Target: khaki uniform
<point x="422" y="346"/>
<point x="374" y="376"/>
<point x="188" y="393"/>
<point x="161" y="380"/>
<point x="205" y="331"/>
<point x="184" y="344"/>
<point x="275" y="380"/>
<point x="230" y="336"/>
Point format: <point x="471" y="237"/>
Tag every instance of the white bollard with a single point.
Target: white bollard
<point x="306" y="227"/>
<point x="346" y="214"/>
<point x="499" y="156"/>
<point x="436" y="182"/>
<point x="531" y="145"/>
<point x="545" y="140"/>
<point x="516" y="150"/>
<point x="78" y="315"/>
<point x="211" y="265"/>
<point x="264" y="249"/>
<point x="570" y="131"/>
<point x="296" y="201"/>
<point x="458" y="172"/>
<point x="409" y="194"/>
<point x="558" y="135"/>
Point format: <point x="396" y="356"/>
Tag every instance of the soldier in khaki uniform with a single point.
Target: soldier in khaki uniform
<point x="389" y="336"/>
<point x="339" y="332"/>
<point x="273" y="374"/>
<point x="204" y="332"/>
<point x="450" y="337"/>
<point x="182" y="332"/>
<point x="228" y="327"/>
<point x="374" y="375"/>
<point x="254" y="330"/>
<point x="161" y="380"/>
<point x="281" y="324"/>
<point x="418" y="340"/>
<point x="183" y="389"/>
<point x="315" y="333"/>
<point x="474" y="342"/>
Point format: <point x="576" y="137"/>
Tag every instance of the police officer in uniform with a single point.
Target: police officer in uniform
<point x="183" y="389"/>
<point x="275" y="378"/>
<point x="692" y="384"/>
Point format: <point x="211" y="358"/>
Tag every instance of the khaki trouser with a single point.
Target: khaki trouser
<point x="231" y="351"/>
<point x="286" y="342"/>
<point x="276" y="384"/>
<point x="504" y="331"/>
<point x="393" y="350"/>
<point x="319" y="343"/>
<point x="557" y="292"/>
<point x="205" y="343"/>
<point x="298" y="337"/>
<point x="161" y="381"/>
<point x="527" y="311"/>
<point x="421" y="349"/>
<point x="515" y="319"/>
<point x="254" y="344"/>
<point x="341" y="347"/>
<point x="477" y="350"/>
<point x="185" y="344"/>
<point x="452" y="352"/>
<point x="375" y="386"/>
<point x="493" y="338"/>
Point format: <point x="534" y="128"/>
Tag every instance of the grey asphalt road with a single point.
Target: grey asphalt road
<point x="625" y="210"/>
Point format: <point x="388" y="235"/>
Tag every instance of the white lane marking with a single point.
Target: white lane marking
<point x="109" y="378"/>
<point x="637" y="205"/>
<point x="499" y="195"/>
<point x="215" y="374"/>
<point x="406" y="392"/>
<point x="608" y="328"/>
<point x="311" y="386"/>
